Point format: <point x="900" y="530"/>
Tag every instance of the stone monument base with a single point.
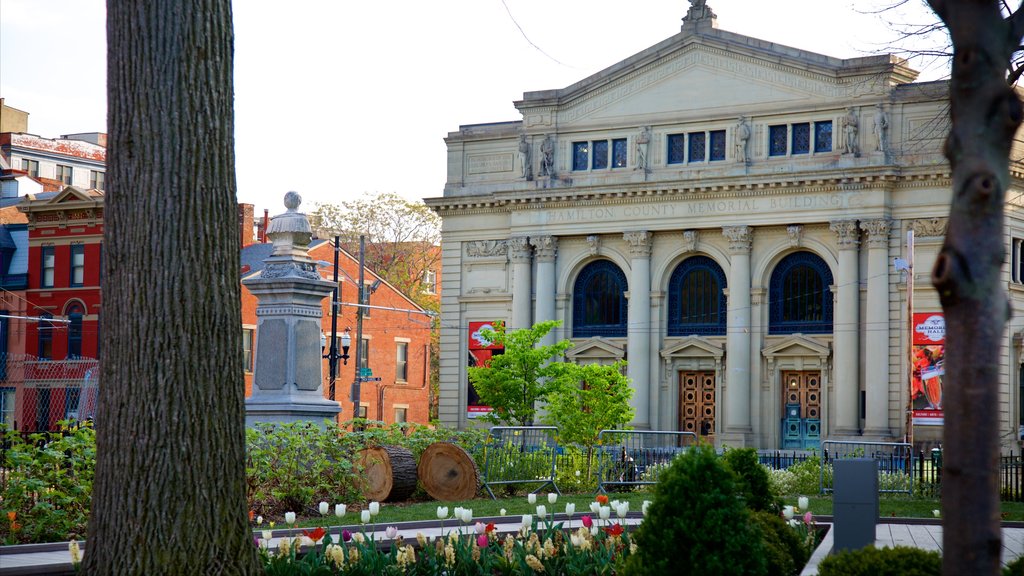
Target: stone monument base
<point x="283" y="410"/>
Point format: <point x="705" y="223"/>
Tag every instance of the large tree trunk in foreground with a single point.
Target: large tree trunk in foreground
<point x="985" y="114"/>
<point x="169" y="495"/>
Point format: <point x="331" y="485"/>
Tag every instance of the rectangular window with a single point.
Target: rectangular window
<point x="77" y="264"/>
<point x="401" y="414"/>
<point x="7" y="407"/>
<point x="600" y="154"/>
<point x="96" y="179"/>
<point x="46" y="263"/>
<point x="364" y="354"/>
<point x="63" y="173"/>
<point x="580" y="155"/>
<point x="4" y="327"/>
<point x="45" y="340"/>
<point x="778" y="140"/>
<point x="801" y="138"/>
<point x="823" y="136"/>
<point x="430" y="282"/>
<point x="30" y="166"/>
<point x="75" y="335"/>
<point x="696" y="147"/>
<point x="248" y="338"/>
<point x="676" y="148"/>
<point x="71" y="401"/>
<point x="620" y="154"/>
<point x="362" y="411"/>
<point x="402" y="362"/>
<point x="717" y="151"/>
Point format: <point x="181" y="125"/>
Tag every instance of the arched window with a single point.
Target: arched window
<point x="599" y="301"/>
<point x="74" y="314"/>
<point x="696" y="303"/>
<point x="800" y="297"/>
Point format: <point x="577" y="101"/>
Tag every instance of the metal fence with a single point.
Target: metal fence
<point x="895" y="461"/>
<point x="37" y="393"/>
<point x="636" y="457"/>
<point x="521" y="455"/>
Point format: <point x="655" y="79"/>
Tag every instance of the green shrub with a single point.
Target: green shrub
<point x="784" y="552"/>
<point x="46" y="485"/>
<point x="1015" y="568"/>
<point x="751" y="479"/>
<point x="696" y="524"/>
<point x="871" y="561"/>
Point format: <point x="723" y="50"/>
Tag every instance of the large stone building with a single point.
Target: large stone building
<point x="724" y="213"/>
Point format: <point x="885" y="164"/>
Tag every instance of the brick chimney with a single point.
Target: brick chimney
<point x="245" y="223"/>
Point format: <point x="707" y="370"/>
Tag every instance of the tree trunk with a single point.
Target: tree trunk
<point x="448" y="472"/>
<point x="985" y="114"/>
<point x="169" y="493"/>
<point x="388" y="473"/>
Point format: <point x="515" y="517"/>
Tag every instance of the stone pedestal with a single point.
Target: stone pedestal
<point x="288" y="377"/>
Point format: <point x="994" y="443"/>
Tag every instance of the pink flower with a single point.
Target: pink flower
<point x="391" y="532"/>
<point x="587" y="521"/>
<point x="479" y="527"/>
<point x="808" y="518"/>
<point x="481" y="540"/>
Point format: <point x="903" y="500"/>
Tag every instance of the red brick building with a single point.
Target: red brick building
<point x="396" y="342"/>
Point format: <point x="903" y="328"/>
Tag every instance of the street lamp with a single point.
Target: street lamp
<point x="346" y="341"/>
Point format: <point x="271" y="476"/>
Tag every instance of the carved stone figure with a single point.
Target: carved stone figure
<point x="742" y="140"/>
<point x="547" y="163"/>
<point x="880" y="127"/>
<point x="851" y="128"/>
<point x="642" y="141"/>
<point x="526" y="166"/>
<point x="698" y="11"/>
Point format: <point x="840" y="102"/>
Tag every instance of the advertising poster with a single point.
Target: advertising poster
<point x="929" y="343"/>
<point x="479" y="354"/>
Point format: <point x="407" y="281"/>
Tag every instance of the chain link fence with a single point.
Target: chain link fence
<point x="36" y="394"/>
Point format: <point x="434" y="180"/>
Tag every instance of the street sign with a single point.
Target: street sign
<point x="365" y="372"/>
<point x="369" y="378"/>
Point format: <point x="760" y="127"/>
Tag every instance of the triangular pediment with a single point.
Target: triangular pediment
<point x="693" y="347"/>
<point x="796" y="345"/>
<point x="714" y="74"/>
<point x="596" y="347"/>
<point x="71" y="194"/>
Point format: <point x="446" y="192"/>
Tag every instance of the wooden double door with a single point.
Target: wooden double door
<point x="801" y="409"/>
<point x="697" y="404"/>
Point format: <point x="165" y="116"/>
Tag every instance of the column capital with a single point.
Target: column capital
<point x="545" y="248"/>
<point x="639" y="243"/>
<point x="878" y="232"/>
<point x="519" y="249"/>
<point x="847" y="233"/>
<point x="690" y="240"/>
<point x="740" y="238"/>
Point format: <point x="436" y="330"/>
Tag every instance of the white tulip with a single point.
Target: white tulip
<point x="787" y="512"/>
<point x="605" y="512"/>
<point x="374" y="508"/>
<point x="595" y="507"/>
<point x="645" y="506"/>
<point x="593" y="530"/>
<point x="364" y="516"/>
<point x="502" y="512"/>
<point x="576" y="540"/>
<point x="542" y="510"/>
<point x="793" y="522"/>
<point x="570" y="508"/>
<point x="622" y="509"/>
<point x="289" y="517"/>
<point x="531" y="498"/>
<point x="339" y="510"/>
<point x="552" y="497"/>
<point x="803" y="503"/>
<point x="442" y="512"/>
<point x="936" y="513"/>
<point x="527" y="521"/>
<point x="467" y="515"/>
<point x="259" y="520"/>
<point x="324" y="508"/>
<point x="268" y="534"/>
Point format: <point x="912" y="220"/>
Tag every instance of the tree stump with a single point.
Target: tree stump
<point x="448" y="472"/>
<point x="389" y="473"/>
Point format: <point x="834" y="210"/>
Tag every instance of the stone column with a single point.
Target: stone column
<point x="545" y="250"/>
<point x="876" y="348"/>
<point x="737" y="344"/>
<point x="638" y="341"/>
<point x="520" y="254"/>
<point x="846" y="330"/>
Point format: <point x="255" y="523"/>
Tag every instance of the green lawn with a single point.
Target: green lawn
<point x="896" y="506"/>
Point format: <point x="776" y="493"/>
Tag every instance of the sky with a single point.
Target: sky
<point x="336" y="98"/>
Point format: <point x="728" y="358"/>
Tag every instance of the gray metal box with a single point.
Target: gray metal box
<point x="855" y="503"/>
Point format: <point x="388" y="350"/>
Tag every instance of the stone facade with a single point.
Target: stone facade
<point x="754" y="165"/>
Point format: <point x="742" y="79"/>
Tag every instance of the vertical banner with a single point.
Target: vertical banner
<point x="929" y="368"/>
<point x="479" y="354"/>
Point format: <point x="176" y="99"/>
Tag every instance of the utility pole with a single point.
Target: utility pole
<point x="333" y="356"/>
<point x="356" y="384"/>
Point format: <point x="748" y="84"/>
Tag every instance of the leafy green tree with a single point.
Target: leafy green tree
<point x="512" y="383"/>
<point x="592" y="397"/>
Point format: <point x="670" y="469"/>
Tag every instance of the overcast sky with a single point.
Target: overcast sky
<point x="337" y="98"/>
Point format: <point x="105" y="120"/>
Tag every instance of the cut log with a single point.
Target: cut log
<point x="388" y="473"/>
<point x="448" y="472"/>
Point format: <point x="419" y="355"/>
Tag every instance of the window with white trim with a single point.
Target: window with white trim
<point x="402" y="361"/>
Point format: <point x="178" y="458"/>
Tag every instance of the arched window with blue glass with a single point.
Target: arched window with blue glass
<point x="696" y="302"/>
<point x="74" y="313"/>
<point x="599" y="301"/>
<point x="800" y="296"/>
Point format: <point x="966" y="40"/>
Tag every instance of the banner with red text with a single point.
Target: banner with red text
<point x="929" y="345"/>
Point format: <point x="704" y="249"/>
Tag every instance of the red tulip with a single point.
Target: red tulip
<point x="315" y="535"/>
<point x="614" y="530"/>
